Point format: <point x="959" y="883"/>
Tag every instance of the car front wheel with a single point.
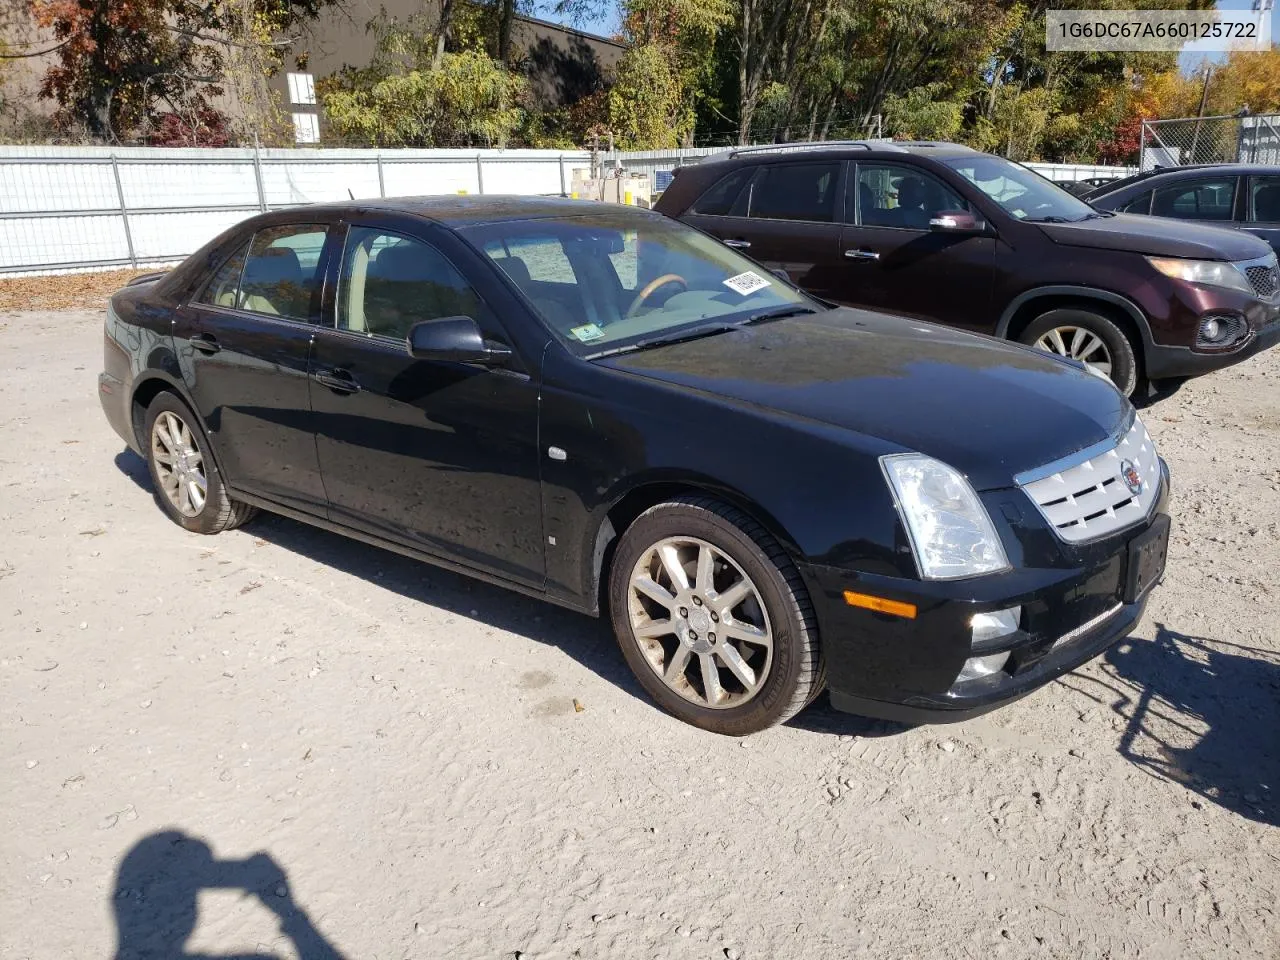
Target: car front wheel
<point x="186" y="479"/>
<point x="1090" y="338"/>
<point x="713" y="617"/>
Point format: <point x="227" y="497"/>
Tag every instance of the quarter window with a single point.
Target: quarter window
<point x="389" y="282"/>
<point x="1196" y="200"/>
<point x="281" y="272"/>
<point x="224" y="286"/>
<point x="722" y="199"/>
<point x="1264" y="199"/>
<point x="796" y="191"/>
<point x="1139" y="204"/>
<point x="891" y="195"/>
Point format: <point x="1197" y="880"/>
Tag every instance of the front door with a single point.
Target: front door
<point x="243" y="344"/>
<point x="783" y="216"/>
<point x="893" y="261"/>
<point x="439" y="456"/>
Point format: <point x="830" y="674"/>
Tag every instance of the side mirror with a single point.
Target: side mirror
<point x="457" y="339"/>
<point x="955" y="221"/>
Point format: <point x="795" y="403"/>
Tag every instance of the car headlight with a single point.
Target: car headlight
<point x="951" y="533"/>
<point x="1214" y="273"/>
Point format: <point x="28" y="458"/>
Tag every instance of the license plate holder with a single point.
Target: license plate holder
<point x="1148" y="553"/>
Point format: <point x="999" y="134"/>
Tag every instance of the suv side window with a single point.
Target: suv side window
<point x="389" y="282"/>
<point x="1208" y="199"/>
<point x="223" y="287"/>
<point x="280" y="276"/>
<point x="1264" y="199"/>
<point x="721" y="199"/>
<point x="796" y="191"/>
<point x="1139" y="204"/>
<point x="893" y="195"/>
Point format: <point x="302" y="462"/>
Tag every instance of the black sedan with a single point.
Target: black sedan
<point x="605" y="408"/>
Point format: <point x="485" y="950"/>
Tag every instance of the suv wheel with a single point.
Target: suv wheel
<point x="1089" y="338"/>
<point x="713" y="617"/>
<point x="186" y="480"/>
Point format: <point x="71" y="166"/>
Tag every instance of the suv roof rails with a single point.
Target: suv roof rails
<point x="815" y="145"/>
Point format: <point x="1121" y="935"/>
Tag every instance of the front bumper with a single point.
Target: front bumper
<point x="895" y="668"/>
<point x="1165" y="361"/>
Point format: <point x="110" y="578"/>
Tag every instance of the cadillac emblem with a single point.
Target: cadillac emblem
<point x="1129" y="474"/>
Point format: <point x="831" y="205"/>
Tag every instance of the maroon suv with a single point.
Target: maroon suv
<point x="948" y="234"/>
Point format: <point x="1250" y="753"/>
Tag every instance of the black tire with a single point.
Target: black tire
<point x="1124" y="363"/>
<point x="218" y="512"/>
<point x="797" y="672"/>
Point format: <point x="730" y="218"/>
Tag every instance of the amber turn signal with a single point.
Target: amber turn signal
<point x="880" y="604"/>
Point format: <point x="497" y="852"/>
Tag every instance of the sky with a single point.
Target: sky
<point x="1194" y="54"/>
<point x="606" y="24"/>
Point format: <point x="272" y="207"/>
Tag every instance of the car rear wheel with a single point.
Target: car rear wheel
<point x="187" y="483"/>
<point x="1090" y="338"/>
<point x="713" y="617"/>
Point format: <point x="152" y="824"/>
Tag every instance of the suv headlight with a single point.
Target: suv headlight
<point x="1214" y="273"/>
<point x="951" y="533"/>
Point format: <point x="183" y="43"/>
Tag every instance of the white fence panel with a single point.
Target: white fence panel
<point x="416" y="179"/>
<point x="161" y="237"/>
<point x="150" y="185"/>
<point x="32" y="243"/>
<point x="26" y="187"/>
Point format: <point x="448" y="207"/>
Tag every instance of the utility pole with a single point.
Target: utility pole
<point x="1204" y="99"/>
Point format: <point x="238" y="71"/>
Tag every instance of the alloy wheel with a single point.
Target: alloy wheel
<point x="700" y="622"/>
<point x="179" y="464"/>
<point x="1078" y="344"/>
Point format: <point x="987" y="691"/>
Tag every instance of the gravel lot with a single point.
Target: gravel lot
<point x="403" y="745"/>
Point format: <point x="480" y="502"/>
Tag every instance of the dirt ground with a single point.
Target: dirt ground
<point x="385" y="760"/>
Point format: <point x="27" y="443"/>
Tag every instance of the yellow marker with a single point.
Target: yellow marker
<point x="574" y="195"/>
<point x="880" y="604"/>
<point x="462" y="193"/>
<point x="626" y="198"/>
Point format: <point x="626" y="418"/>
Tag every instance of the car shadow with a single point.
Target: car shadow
<point x="587" y="639"/>
<point x="157" y="887"/>
<point x="1198" y="712"/>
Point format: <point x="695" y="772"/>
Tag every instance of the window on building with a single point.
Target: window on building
<point x="306" y="128"/>
<point x="302" y="89"/>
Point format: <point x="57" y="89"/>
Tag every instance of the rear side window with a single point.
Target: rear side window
<point x="722" y="199"/>
<point x="796" y="191"/>
<point x="280" y="274"/>
<point x="1139" y="204"/>
<point x="1209" y="199"/>
<point x="224" y="286"/>
<point x="1264" y="199"/>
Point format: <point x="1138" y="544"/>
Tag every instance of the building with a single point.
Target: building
<point x="563" y="64"/>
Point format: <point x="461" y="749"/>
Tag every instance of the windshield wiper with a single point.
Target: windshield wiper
<point x="1098" y="215"/>
<point x="682" y="337"/>
<point x="777" y="313"/>
<point x="1052" y="218"/>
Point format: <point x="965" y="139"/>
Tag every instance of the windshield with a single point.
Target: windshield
<point x="1021" y="192"/>
<point x="613" y="279"/>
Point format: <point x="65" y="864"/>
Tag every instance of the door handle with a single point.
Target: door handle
<point x="206" y="343"/>
<point x="862" y="255"/>
<point x="338" y="380"/>
<point x="738" y="244"/>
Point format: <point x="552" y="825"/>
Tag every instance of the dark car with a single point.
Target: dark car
<point x="944" y="233"/>
<point x="1241" y="196"/>
<point x="604" y="408"/>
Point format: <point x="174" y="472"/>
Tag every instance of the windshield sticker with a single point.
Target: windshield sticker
<point x="587" y="332"/>
<point x="745" y="283"/>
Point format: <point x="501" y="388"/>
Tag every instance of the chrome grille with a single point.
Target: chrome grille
<point x="1086" y="496"/>
<point x="1264" y="280"/>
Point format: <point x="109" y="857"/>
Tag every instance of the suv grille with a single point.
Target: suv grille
<point x="1087" y="496"/>
<point x="1264" y="280"/>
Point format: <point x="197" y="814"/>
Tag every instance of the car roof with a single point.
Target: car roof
<point x="467" y="210"/>
<point x="839" y="149"/>
<point x="1188" y="170"/>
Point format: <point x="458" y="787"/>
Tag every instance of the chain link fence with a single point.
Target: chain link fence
<point x="1192" y="140"/>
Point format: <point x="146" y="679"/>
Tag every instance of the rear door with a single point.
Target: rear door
<point x="1262" y="209"/>
<point x="437" y="455"/>
<point x="243" y="343"/>
<point x="782" y="214"/>
<point x="894" y="262"/>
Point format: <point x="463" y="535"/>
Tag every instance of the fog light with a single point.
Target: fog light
<point x="994" y="624"/>
<point x="1221" y="330"/>
<point x="976" y="667"/>
<point x="1210" y="330"/>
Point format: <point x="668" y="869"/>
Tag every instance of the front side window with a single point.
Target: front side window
<point x="1264" y="199"/>
<point x="281" y="274"/>
<point x="1209" y="199"/>
<point x="796" y="191"/>
<point x="389" y="282"/>
<point x="1020" y="192"/>
<point x="223" y="287"/>
<point x="893" y="195"/>
<point x="630" y="278"/>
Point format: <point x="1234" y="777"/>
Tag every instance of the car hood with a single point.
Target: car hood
<point x="1158" y="237"/>
<point x="989" y="408"/>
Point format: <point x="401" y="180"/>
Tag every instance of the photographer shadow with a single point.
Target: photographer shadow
<point x="155" y="901"/>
